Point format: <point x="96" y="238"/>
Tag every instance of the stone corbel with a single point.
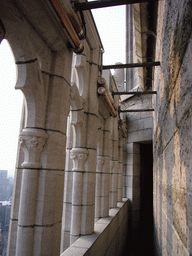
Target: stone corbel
<point x="100" y="163"/>
<point x="79" y="156"/>
<point x="81" y="68"/>
<point x="32" y="142"/>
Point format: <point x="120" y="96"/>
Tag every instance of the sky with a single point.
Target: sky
<point x="10" y="109"/>
<point x="110" y="22"/>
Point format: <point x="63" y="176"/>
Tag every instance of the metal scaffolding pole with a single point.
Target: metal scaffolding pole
<point x="134" y="93"/>
<point x="105" y="3"/>
<point x="132" y="65"/>
<point x="137" y="110"/>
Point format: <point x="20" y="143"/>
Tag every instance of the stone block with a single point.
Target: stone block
<point x="47" y="239"/>
<point x="133" y="126"/>
<point x="129" y="193"/>
<point x="107" y="144"/>
<point x="88" y="194"/>
<point x="28" y="197"/>
<point x="53" y="156"/>
<point x="129" y="159"/>
<point x="69" y="162"/>
<point x="87" y="219"/>
<point x="74" y="251"/>
<point x="12" y="238"/>
<point x="129" y="181"/>
<point x="68" y="186"/>
<point x="76" y="215"/>
<point x="25" y="237"/>
<point x="129" y="170"/>
<point x="115" y="150"/>
<point x="65" y="240"/>
<point x="59" y="104"/>
<point x="104" y="206"/>
<point x="93" y="99"/>
<point x="139" y="136"/>
<point x="86" y="241"/>
<point x="49" y="200"/>
<point x="16" y="194"/>
<point x="66" y="220"/>
<point x="91" y="162"/>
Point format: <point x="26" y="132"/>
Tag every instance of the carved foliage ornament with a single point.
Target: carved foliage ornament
<point x="100" y="163"/>
<point x="32" y="141"/>
<point x="79" y="156"/>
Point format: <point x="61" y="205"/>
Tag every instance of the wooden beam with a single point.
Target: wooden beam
<point x="132" y="65"/>
<point x="105" y="3"/>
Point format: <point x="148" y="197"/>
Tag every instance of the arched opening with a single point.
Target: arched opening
<point x="11" y="106"/>
<point x="10" y="115"/>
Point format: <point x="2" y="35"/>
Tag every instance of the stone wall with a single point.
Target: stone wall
<point x="173" y="130"/>
<point x="140" y="130"/>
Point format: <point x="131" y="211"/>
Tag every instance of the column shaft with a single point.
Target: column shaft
<point x="27" y="213"/>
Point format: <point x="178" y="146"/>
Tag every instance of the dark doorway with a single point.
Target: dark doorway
<point x="146" y="197"/>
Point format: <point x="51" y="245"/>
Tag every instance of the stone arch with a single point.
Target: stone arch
<point x="77" y="117"/>
<point x="79" y="74"/>
<point x="29" y="79"/>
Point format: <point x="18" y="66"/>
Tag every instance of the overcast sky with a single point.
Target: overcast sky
<point x="10" y="109"/>
<point x="110" y="22"/>
<point x="111" y="26"/>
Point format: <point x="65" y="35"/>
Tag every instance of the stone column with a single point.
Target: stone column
<point x="67" y="196"/>
<point x="106" y="169"/>
<point x="114" y="165"/>
<point x="98" y="187"/>
<point x="32" y="141"/>
<point x="124" y="168"/>
<point x="47" y="235"/>
<point x="79" y="156"/>
<point x="114" y="182"/>
<point x="12" y="239"/>
<point x="120" y="176"/>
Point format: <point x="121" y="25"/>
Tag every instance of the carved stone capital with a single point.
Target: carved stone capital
<point x="32" y="142"/>
<point x="100" y="163"/>
<point x="79" y="156"/>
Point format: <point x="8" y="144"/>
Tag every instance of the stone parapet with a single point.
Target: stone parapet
<point x="108" y="237"/>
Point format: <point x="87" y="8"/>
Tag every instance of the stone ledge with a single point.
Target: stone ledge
<point x="105" y="231"/>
